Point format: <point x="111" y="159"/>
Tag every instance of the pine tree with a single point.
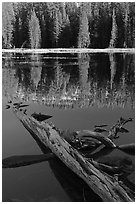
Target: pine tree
<point x="126" y="23"/>
<point x="21" y="30"/>
<point x="34" y="31"/>
<point x="114" y="31"/>
<point x="84" y="35"/>
<point x="72" y="11"/>
<point x="43" y="31"/>
<point x="55" y="22"/>
<point x="57" y="27"/>
<point x="131" y="25"/>
<point x="8" y="19"/>
<point x="65" y="36"/>
<point x="41" y="13"/>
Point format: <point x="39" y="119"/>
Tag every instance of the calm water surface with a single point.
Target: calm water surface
<point x="79" y="91"/>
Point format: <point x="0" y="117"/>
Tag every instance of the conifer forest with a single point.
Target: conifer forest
<point x="68" y="25"/>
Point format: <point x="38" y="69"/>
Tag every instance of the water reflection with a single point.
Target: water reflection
<point x="112" y="59"/>
<point x="82" y="81"/>
<point x="35" y="71"/>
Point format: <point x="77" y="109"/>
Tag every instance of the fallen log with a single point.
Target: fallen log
<point x="99" y="136"/>
<point x="127" y="148"/>
<point x="107" y="187"/>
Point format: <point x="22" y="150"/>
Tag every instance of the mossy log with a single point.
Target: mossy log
<point x="107" y="187"/>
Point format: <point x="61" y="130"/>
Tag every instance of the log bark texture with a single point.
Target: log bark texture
<point x="108" y="188"/>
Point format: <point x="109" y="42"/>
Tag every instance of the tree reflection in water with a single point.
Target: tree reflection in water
<point x="102" y="79"/>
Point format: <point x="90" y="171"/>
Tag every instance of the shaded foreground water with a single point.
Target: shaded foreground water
<point x="79" y="91"/>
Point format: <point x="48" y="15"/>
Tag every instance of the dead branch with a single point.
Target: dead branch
<point x="98" y="136"/>
<point x="118" y="127"/>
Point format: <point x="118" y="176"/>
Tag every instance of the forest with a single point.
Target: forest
<point x="68" y="25"/>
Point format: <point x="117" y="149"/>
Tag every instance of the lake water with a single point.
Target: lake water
<point x="79" y="91"/>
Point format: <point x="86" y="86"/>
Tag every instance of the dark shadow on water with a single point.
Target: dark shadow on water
<point x="76" y="188"/>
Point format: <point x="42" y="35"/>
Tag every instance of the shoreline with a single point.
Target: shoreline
<point x="70" y="50"/>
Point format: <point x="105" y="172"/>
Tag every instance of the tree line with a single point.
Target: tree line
<point x="68" y="25"/>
